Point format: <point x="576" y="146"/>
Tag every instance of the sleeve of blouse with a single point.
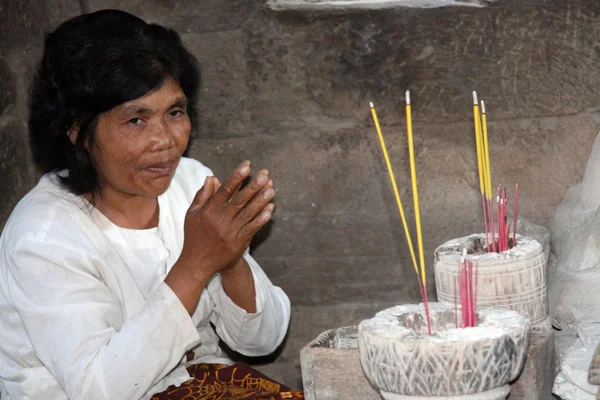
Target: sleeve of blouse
<point x="251" y="334"/>
<point x="76" y="325"/>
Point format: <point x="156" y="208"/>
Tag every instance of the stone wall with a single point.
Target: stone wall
<point x="290" y="91"/>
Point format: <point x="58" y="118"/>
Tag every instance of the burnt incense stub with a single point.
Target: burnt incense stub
<point x="401" y="359"/>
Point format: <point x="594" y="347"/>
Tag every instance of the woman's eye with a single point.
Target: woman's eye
<point x="176" y="113"/>
<point x="135" y="121"/>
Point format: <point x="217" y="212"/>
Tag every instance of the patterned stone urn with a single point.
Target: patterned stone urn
<point x="515" y="278"/>
<point x="403" y="361"/>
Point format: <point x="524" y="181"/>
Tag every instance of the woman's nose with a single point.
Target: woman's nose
<point x="163" y="136"/>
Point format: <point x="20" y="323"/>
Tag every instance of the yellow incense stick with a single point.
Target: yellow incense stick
<point x="488" y="175"/>
<point x="480" y="162"/>
<point x="396" y="193"/>
<point x="413" y="175"/>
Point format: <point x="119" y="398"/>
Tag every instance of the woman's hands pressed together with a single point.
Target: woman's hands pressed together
<point x="219" y="226"/>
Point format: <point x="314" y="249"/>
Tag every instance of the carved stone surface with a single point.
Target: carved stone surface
<point x="398" y="356"/>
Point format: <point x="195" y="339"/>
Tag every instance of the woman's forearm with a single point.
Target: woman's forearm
<point x="238" y="283"/>
<point x="252" y="334"/>
<point x="187" y="284"/>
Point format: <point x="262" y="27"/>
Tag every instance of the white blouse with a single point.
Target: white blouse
<point x="85" y="312"/>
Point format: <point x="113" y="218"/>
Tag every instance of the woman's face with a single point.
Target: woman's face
<point x="138" y="144"/>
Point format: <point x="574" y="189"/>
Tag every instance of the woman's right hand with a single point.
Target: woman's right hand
<point x="219" y="225"/>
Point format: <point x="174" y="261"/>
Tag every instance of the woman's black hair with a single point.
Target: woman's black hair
<point x="91" y="64"/>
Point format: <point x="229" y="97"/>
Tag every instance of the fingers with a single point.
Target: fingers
<point x="240" y="199"/>
<point x="248" y="208"/>
<point x="253" y="226"/>
<point x="205" y="193"/>
<point x="232" y="184"/>
<point x="217" y="183"/>
<point x="254" y="200"/>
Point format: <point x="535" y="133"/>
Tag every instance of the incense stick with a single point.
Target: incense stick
<point x="394" y="186"/>
<point x="468" y="291"/>
<point x="398" y="200"/>
<point x="475" y="295"/>
<point x="488" y="175"/>
<point x="413" y="175"/>
<point x="480" y="165"/>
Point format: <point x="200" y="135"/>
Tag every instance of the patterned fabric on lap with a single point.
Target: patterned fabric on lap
<point x="222" y="382"/>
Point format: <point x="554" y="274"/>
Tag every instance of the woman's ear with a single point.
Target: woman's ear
<point x="73" y="133"/>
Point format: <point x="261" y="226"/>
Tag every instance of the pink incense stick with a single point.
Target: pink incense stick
<point x="492" y="227"/>
<point x="463" y="300"/>
<point x="515" y="205"/>
<point x="475" y="295"/>
<point x="501" y="233"/>
<point x="467" y="294"/>
<point x="499" y="216"/>
<point x="473" y="316"/>
<point x="500" y="230"/>
<point x="470" y="291"/>
<point x="505" y="218"/>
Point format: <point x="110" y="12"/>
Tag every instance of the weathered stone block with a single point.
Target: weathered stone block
<point x="334" y="196"/>
<point x="286" y="372"/>
<point x="541" y="366"/>
<point x="330" y="236"/>
<point x="8" y="95"/>
<point x="315" y="172"/>
<point x="348" y="5"/>
<point x="14" y="164"/>
<point x="331" y="367"/>
<point x="224" y="93"/>
<point x="188" y="15"/>
<point x="26" y="21"/>
<point x="309" y="321"/>
<point x="335" y="280"/>
<point x="525" y="58"/>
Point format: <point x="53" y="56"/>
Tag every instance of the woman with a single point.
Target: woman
<point x="115" y="267"/>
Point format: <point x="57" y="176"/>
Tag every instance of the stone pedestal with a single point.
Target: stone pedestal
<point x="499" y="393"/>
<point x="331" y="367"/>
<point x="541" y="366"/>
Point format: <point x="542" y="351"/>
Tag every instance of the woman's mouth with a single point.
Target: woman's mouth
<point x="162" y="168"/>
